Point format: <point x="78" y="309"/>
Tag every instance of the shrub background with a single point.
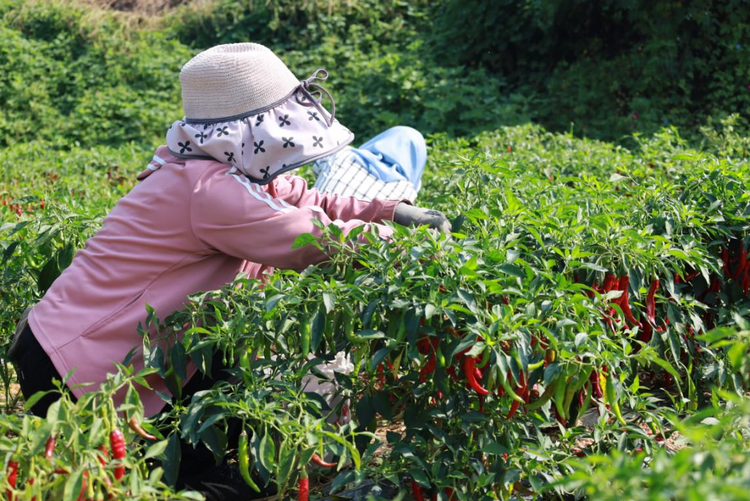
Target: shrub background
<point x="75" y="73"/>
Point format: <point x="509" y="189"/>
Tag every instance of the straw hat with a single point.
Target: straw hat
<point x="245" y="108"/>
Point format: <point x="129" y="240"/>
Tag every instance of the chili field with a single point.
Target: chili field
<point x="582" y="333"/>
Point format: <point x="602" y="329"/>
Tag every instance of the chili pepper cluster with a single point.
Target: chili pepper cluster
<point x="109" y="458"/>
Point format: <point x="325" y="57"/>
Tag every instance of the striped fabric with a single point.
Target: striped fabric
<point x="343" y="175"/>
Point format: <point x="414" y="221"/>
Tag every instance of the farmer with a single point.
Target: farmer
<point x="215" y="201"/>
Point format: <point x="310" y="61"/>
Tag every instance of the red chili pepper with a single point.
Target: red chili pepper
<point x="83" y="486"/>
<point x="469" y="366"/>
<point x="304" y="488"/>
<point x="523" y="391"/>
<point x="667" y="381"/>
<point x="624" y="302"/>
<point x="746" y="280"/>
<point x="416" y="491"/>
<point x="104" y="455"/>
<point x="428" y="368"/>
<point x="381" y="375"/>
<point x="49" y="449"/>
<point x="596" y="384"/>
<point x="323" y="464"/>
<point x="12" y="472"/>
<point x="646" y="333"/>
<point x="513" y="408"/>
<point x="692" y="275"/>
<point x="117" y="445"/>
<point x="581" y="398"/>
<point x="610" y="283"/>
<point x="651" y="302"/>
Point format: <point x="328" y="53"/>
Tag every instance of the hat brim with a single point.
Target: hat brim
<point x="265" y="145"/>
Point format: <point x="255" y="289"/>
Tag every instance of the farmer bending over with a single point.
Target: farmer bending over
<point x="216" y="201"/>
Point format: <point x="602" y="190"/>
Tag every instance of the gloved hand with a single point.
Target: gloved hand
<point x="408" y="215"/>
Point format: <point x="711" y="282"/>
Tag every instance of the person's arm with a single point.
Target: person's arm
<point x="234" y="216"/>
<point x="294" y="191"/>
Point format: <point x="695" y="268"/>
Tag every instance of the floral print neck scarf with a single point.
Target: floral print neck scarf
<point x="269" y="142"/>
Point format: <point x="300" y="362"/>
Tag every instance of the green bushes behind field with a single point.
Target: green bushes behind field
<point x="614" y="66"/>
<point x="70" y="77"/>
<point x="77" y="74"/>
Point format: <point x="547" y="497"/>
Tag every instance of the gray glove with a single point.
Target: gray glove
<point x="408" y="215"/>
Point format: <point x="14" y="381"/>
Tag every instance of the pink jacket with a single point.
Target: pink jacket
<point x="188" y="226"/>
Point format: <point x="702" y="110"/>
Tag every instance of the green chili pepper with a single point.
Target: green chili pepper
<point x="395" y="324"/>
<point x="562" y="386"/>
<point x="575" y="384"/>
<point x="245" y="364"/>
<point x="304" y="337"/>
<point x="349" y="330"/>
<point x="586" y="401"/>
<point x="509" y="391"/>
<point x="612" y="399"/>
<point x="546" y="396"/>
<point x="536" y="365"/>
<point x="243" y="458"/>
<point x="485" y="358"/>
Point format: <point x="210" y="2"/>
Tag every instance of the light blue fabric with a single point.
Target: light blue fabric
<point x="397" y="154"/>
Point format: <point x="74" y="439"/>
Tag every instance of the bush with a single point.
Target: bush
<point x="611" y="67"/>
<point x="66" y="81"/>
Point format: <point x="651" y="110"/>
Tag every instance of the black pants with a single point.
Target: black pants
<point x="36" y="373"/>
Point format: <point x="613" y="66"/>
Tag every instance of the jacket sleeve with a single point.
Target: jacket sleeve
<point x="232" y="215"/>
<point x="293" y="190"/>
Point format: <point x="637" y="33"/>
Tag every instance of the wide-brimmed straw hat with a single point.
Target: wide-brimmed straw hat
<point x="245" y="108"/>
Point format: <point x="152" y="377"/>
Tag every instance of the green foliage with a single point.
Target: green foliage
<point x="76" y="466"/>
<point x="710" y="457"/>
<point x="540" y="220"/>
<point x="289" y="24"/>
<point x="65" y="82"/>
<point x="611" y="67"/>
